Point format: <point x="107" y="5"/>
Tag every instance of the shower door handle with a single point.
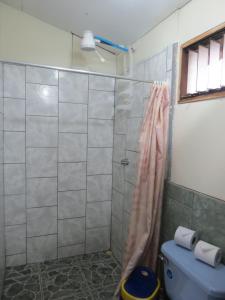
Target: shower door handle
<point x="124" y="162"/>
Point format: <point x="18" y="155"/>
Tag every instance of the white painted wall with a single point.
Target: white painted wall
<point x="24" y="38"/>
<point x="198" y="137"/>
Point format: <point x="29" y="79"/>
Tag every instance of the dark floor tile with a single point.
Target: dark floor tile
<point x="83" y="277"/>
<point x="104" y="294"/>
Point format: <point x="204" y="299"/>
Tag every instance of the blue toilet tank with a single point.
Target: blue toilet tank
<point x="189" y="279"/>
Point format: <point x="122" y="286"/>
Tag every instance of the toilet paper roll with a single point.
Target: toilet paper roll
<point x="208" y="253"/>
<point x="186" y="237"/>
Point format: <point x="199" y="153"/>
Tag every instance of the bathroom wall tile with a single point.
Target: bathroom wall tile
<point x="126" y="222"/>
<point x="41" y="100"/>
<point x="124" y="91"/>
<point x="15" y="210"/>
<point x="99" y="161"/>
<point x="14" y="114"/>
<point x="1" y="105"/>
<point x="41" y="162"/>
<point x="41" y="75"/>
<point x="101" y="105"/>
<point x="117" y="205"/>
<point x="1" y="80"/>
<point x="99" y="187"/>
<point x="133" y="134"/>
<point x="41" y="131"/>
<point x="124" y="98"/>
<point x="14" y="81"/>
<point x="1" y="179"/>
<point x="100" y="133"/>
<point x="41" y="192"/>
<point x="71" y="204"/>
<point x="128" y="197"/>
<point x="14" y="179"/>
<point x="138" y="100"/>
<point x="98" y="214"/>
<point x="208" y="219"/>
<point x="71" y="231"/>
<point x="72" y="147"/>
<point x="72" y="250"/>
<point x="16" y="260"/>
<point x="117" y="252"/>
<point x="101" y="83"/>
<point x="155" y="67"/>
<point x="41" y="221"/>
<point x="119" y="147"/>
<point x="14" y="147"/>
<point x="117" y="233"/>
<point x="71" y="176"/>
<point x="181" y="194"/>
<point x="121" y="115"/>
<point x="73" y="87"/>
<point x="131" y="169"/>
<point x="175" y="214"/>
<point x="118" y="177"/>
<point x="97" y="239"/>
<point x="1" y="146"/>
<point x="169" y="57"/>
<point x="41" y="248"/>
<point x="15" y="239"/>
<point x="1" y="122"/>
<point x="122" y="85"/>
<point x="72" y="118"/>
<point x="139" y="71"/>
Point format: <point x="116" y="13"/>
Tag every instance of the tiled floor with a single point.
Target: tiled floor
<point x="92" y="277"/>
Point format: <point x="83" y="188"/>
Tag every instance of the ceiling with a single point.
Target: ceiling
<point x="122" y="21"/>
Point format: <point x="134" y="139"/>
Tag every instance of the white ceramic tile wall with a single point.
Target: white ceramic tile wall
<point x="58" y="140"/>
<point x="64" y="138"/>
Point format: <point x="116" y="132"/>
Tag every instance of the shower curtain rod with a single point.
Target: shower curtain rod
<point x="78" y="71"/>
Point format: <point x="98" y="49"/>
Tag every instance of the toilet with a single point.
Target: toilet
<point x="189" y="279"/>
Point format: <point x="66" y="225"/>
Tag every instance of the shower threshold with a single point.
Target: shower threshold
<point x="83" y="277"/>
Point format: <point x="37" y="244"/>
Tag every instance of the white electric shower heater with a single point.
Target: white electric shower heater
<point x="88" y="44"/>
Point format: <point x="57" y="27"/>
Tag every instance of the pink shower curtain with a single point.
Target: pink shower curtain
<point x="144" y="228"/>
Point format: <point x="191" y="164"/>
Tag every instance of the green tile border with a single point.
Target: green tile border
<point x="189" y="208"/>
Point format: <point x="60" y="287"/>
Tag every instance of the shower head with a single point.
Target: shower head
<point x="88" y="41"/>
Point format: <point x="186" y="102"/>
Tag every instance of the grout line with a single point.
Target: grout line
<point x="64" y="191"/>
<point x="57" y="184"/>
<point x="109" y="174"/>
<point x="16" y="254"/>
<point x="71" y="218"/>
<point x="45" y="206"/>
<point x="42" y="235"/>
<point x="25" y="162"/>
<point x="3" y="171"/>
<point x="100" y="147"/>
<point x="40" y="116"/>
<point x="63" y="246"/>
<point x="23" y="131"/>
<point x="99" y="227"/>
<point x="113" y="150"/>
<point x="11" y="225"/>
<point x="85" y="223"/>
<point x="71" y="102"/>
<point x="38" y="83"/>
<point x="42" y="147"/>
<point x="72" y="162"/>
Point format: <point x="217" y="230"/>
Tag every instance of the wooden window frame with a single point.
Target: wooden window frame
<point x="202" y="96"/>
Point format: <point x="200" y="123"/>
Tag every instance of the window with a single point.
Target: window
<point x="202" y="71"/>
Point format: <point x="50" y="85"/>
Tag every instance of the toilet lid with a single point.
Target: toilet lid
<point x="212" y="280"/>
